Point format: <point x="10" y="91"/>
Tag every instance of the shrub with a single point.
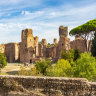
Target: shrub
<point x="41" y="66"/>
<point x="85" y="66"/>
<point x="30" y="72"/>
<point x="62" y="68"/>
<point x="71" y="55"/>
<point x="3" y="60"/>
<point x="76" y="54"/>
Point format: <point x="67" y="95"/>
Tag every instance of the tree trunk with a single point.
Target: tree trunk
<point x="86" y="45"/>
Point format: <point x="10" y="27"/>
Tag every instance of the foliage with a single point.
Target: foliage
<point x="3" y="61"/>
<point x="41" y="66"/>
<point x="30" y="72"/>
<point x="85" y="28"/>
<point x="50" y="45"/>
<point x="76" y="54"/>
<point x="71" y="55"/>
<point x="86" y="31"/>
<point x="62" y="68"/>
<point x="64" y="55"/>
<point x="93" y="47"/>
<point x="85" y="66"/>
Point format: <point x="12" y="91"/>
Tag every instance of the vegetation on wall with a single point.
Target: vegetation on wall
<point x="50" y="45"/>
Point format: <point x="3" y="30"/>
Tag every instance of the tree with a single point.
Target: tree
<point x="64" y="55"/>
<point x="41" y="66"/>
<point x="85" y="66"/>
<point x="86" y="31"/>
<point x="50" y="45"/>
<point x="62" y="68"/>
<point x="93" y="47"/>
<point x="3" y="61"/>
<point x="71" y="55"/>
<point x="76" y="54"/>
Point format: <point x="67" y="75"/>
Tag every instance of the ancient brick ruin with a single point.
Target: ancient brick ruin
<point x="30" y="50"/>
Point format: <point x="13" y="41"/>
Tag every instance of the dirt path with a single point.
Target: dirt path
<point x="11" y="69"/>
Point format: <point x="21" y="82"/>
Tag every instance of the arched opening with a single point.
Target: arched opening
<point x="30" y="60"/>
<point x="62" y="44"/>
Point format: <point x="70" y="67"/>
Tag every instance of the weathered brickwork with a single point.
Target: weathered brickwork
<point x="78" y="44"/>
<point x="12" y="52"/>
<point x="28" y="46"/>
<point x="47" y="86"/>
<point x="64" y="41"/>
<point x="30" y="50"/>
<point x="2" y="48"/>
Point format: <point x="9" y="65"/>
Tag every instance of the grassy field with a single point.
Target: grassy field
<point x="12" y="69"/>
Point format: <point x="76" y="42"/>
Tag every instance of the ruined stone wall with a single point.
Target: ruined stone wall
<point x="64" y="41"/>
<point x="43" y="48"/>
<point x="36" y="46"/>
<point x="28" y="46"/>
<point x="12" y="52"/>
<point x="2" y="48"/>
<point x="51" y="52"/>
<point x="17" y="52"/>
<point x="29" y="50"/>
<point x="55" y="41"/>
<point x="78" y="44"/>
<point x="47" y="86"/>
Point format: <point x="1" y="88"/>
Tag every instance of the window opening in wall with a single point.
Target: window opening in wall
<point x="30" y="60"/>
<point x="62" y="44"/>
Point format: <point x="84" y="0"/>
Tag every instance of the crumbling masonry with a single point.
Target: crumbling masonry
<point x="30" y="50"/>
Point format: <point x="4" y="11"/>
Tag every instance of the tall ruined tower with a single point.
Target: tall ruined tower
<point x="63" y="41"/>
<point x="28" y="46"/>
<point x="42" y="48"/>
<point x="55" y="41"/>
<point x="27" y="38"/>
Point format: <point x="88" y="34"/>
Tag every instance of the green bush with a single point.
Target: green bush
<point x="3" y="61"/>
<point x="76" y="54"/>
<point x="62" y="68"/>
<point x="41" y="66"/>
<point x="71" y="55"/>
<point x="85" y="66"/>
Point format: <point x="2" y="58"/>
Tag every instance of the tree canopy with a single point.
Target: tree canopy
<point x="86" y="31"/>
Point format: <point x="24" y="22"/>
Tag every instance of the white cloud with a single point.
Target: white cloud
<point x="45" y="23"/>
<point x="25" y="13"/>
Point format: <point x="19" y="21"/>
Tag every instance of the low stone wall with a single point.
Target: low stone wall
<point x="46" y="86"/>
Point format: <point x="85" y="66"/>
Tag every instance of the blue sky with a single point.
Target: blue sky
<point x="43" y="16"/>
